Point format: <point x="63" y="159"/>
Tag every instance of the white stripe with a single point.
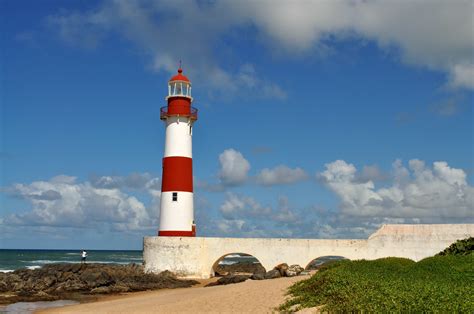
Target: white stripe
<point x="176" y="215"/>
<point x="178" y="140"/>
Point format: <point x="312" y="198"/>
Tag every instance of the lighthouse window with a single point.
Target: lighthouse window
<point x="175" y="196"/>
<point x="179" y="89"/>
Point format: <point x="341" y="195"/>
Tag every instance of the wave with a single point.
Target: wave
<point x="6" y="270"/>
<point x="33" y="267"/>
<point x="73" y="253"/>
<point x="232" y="256"/>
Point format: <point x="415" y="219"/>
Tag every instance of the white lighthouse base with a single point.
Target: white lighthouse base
<point x="191" y="257"/>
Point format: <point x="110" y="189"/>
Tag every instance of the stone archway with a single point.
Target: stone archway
<point x="236" y="262"/>
<point x="321" y="260"/>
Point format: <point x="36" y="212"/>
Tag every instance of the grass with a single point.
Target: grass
<point x="435" y="284"/>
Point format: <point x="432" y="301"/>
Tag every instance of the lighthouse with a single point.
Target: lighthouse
<point x="177" y="206"/>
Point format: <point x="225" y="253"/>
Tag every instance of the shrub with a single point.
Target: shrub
<point x="460" y="247"/>
<point x="435" y="284"/>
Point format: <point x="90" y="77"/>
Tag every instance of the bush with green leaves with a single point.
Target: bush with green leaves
<point x="435" y="284"/>
<point x="460" y="247"/>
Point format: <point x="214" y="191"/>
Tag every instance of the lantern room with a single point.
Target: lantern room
<point x="179" y="86"/>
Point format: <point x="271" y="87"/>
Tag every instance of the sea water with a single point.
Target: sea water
<point x="32" y="259"/>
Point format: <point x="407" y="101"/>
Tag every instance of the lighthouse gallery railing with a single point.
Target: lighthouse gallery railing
<point x="177" y="110"/>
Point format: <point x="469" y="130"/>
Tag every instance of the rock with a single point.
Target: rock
<point x="244" y="267"/>
<point x="257" y="277"/>
<point x="229" y="279"/>
<point x="43" y="296"/>
<point x="293" y="270"/>
<point x="272" y="274"/>
<point x="167" y="274"/>
<point x="96" y="278"/>
<point x="118" y="288"/>
<point x="56" y="281"/>
<point x="70" y="285"/>
<point x="282" y="268"/>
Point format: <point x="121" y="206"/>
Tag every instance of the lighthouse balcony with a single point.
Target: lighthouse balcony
<point x="178" y="111"/>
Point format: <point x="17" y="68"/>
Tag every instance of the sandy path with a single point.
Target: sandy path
<point x="255" y="296"/>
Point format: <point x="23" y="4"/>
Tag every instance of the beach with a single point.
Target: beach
<point x="251" y="296"/>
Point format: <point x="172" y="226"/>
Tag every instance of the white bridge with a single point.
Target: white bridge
<point x="191" y="257"/>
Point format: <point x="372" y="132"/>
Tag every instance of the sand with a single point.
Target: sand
<point x="251" y="296"/>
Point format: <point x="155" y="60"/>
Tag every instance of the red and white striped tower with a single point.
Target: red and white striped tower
<point x="177" y="208"/>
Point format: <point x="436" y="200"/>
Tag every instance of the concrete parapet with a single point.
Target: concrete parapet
<point x="191" y="257"/>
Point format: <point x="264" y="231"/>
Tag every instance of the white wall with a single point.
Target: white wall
<point x="194" y="257"/>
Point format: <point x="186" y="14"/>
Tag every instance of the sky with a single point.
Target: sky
<point x="317" y="119"/>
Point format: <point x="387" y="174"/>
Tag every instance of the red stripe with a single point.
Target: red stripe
<point x="179" y="105"/>
<point x="177" y="174"/>
<point x="173" y="233"/>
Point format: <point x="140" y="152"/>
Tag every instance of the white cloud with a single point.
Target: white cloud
<point x="372" y="173"/>
<point x="434" y="34"/>
<point x="62" y="202"/>
<point x="167" y="32"/>
<point x="284" y="213"/>
<point x="237" y="206"/>
<point x="281" y="175"/>
<point x="417" y="192"/>
<point x="462" y="75"/>
<point x="234" y="167"/>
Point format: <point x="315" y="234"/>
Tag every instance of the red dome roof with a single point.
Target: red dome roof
<point x="179" y="76"/>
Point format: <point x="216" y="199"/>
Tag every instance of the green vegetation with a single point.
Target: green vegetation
<point x="460" y="247"/>
<point x="435" y="284"/>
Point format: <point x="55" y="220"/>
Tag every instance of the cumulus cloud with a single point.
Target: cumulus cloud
<point x="64" y="202"/>
<point x="168" y="32"/>
<point x="132" y="181"/>
<point x="237" y="206"/>
<point x="234" y="167"/>
<point x="433" y="34"/>
<point x="281" y="175"/>
<point x="372" y="173"/>
<point x="416" y="192"/>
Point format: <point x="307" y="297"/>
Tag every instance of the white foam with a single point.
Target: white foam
<point x="232" y="256"/>
<point x="33" y="267"/>
<point x="6" y="270"/>
<point x="31" y="307"/>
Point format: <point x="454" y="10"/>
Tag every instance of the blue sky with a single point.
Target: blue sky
<point x="316" y="119"/>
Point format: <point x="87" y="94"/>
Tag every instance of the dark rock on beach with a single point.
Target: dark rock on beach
<point x="60" y="281"/>
<point x="258" y="276"/>
<point x="229" y="279"/>
<point x="247" y="268"/>
<point x="272" y="274"/>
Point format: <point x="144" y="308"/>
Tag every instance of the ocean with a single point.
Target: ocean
<point x="32" y="259"/>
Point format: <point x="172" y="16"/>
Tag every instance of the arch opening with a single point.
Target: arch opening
<point x="316" y="263"/>
<point x="237" y="263"/>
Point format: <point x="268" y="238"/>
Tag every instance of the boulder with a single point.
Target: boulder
<point x="282" y="268"/>
<point x="293" y="270"/>
<point x="244" y="267"/>
<point x="272" y="274"/>
<point x="229" y="279"/>
<point x="258" y="276"/>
